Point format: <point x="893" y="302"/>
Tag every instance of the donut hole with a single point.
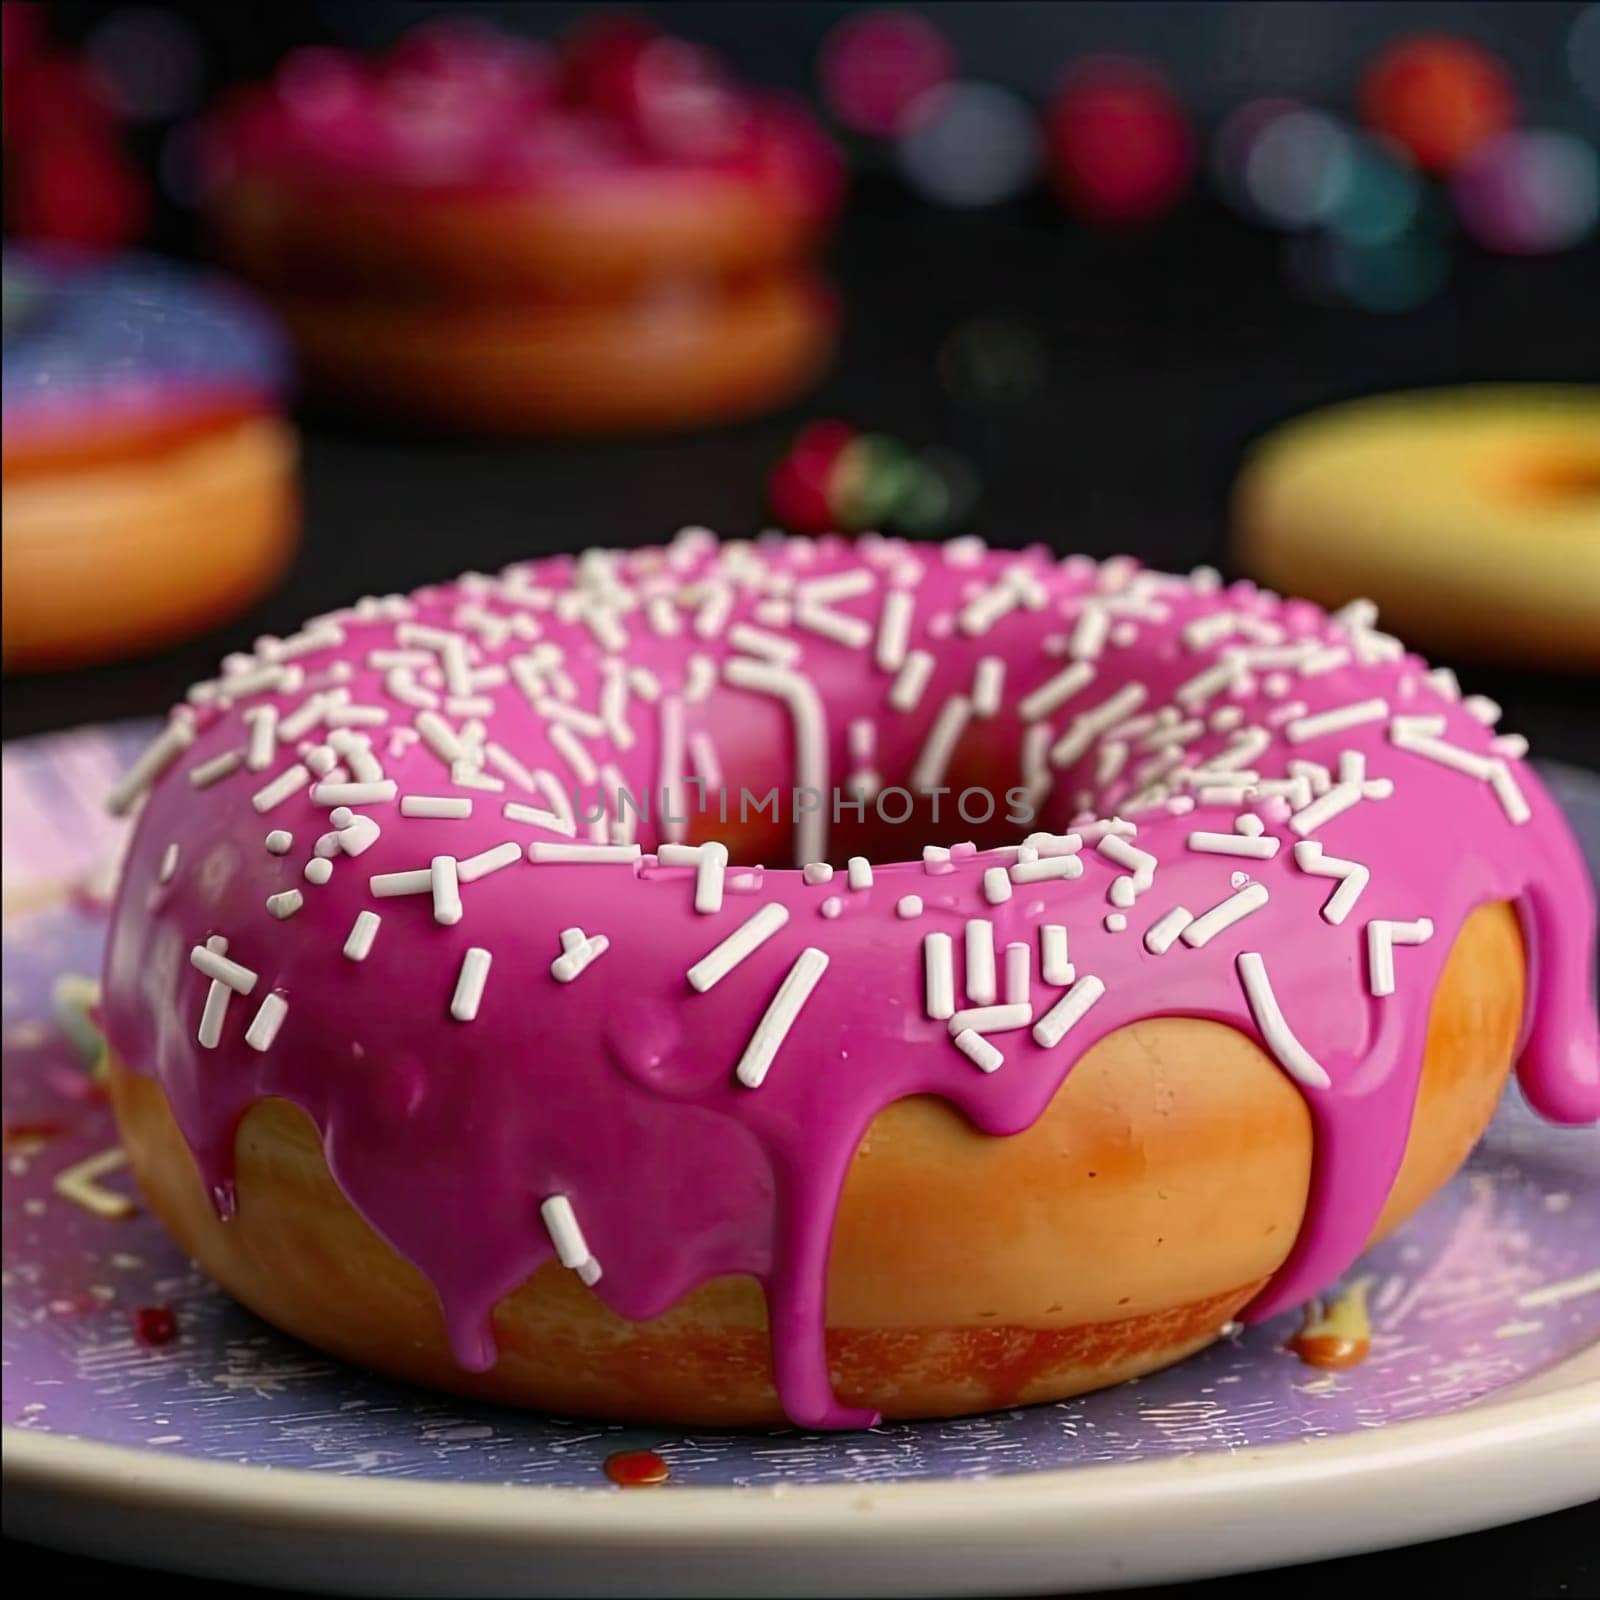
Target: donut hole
<point x="980" y="798"/>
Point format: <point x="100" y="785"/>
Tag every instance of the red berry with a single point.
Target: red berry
<point x="154" y="1326"/>
<point x="799" y="502"/>
<point x="1439" y="97"/>
<point x="1121" y="149"/>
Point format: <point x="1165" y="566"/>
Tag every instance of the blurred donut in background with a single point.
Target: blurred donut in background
<point x="149" y="477"/>
<point x="1471" y="516"/>
<point x="475" y="232"/>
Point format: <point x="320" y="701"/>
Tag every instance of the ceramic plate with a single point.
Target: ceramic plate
<point x="231" y="1450"/>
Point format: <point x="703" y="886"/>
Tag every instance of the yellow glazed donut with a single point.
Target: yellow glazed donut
<point x="1472" y="516"/>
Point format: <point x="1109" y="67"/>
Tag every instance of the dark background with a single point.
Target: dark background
<point x="1157" y="359"/>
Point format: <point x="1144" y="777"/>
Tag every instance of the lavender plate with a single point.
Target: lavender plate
<point x="208" y="1442"/>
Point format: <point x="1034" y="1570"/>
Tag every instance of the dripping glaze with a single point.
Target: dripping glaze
<point x="359" y="883"/>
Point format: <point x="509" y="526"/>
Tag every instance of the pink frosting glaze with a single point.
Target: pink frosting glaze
<point x="622" y="112"/>
<point x="618" y="1090"/>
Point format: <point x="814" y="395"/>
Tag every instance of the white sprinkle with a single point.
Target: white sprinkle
<point x="832" y="907"/>
<point x="212" y="771"/>
<point x="268" y="1019"/>
<point x="469" y="984"/>
<point x="1114" y="847"/>
<point x="1069" y="1010"/>
<point x="719" y="961"/>
<point x="1089" y="633"/>
<point x="905" y="693"/>
<point x="940" y="746"/>
<point x="1222" y="916"/>
<point x="215" y="965"/>
<point x="285" y="904"/>
<point x="982" y="987"/>
<point x="992" y="1018"/>
<point x="1116" y="922"/>
<point x="263" y="741"/>
<point x="288" y="782"/>
<point x="774" y="1026"/>
<point x="810" y="727"/>
<point x="1160" y="936"/>
<point x="318" y="870"/>
<point x="439" y="736"/>
<point x="978" y="1050"/>
<point x="1382" y="936"/>
<point x="1053" y="844"/>
<point x="303" y="718"/>
<point x="471" y="868"/>
<point x="771" y="647"/>
<point x="1292" y="1056"/>
<point x="1555" y="1294"/>
<point x="1325" y="808"/>
<point x="1089" y="725"/>
<point x="815" y="872"/>
<point x="213" y="1014"/>
<point x="538" y="817"/>
<point x="280" y="842"/>
<point x="385" y="885"/>
<point x="429" y="805"/>
<point x="709" y="877"/>
<point x="1304" y="729"/>
<point x="1019" y="975"/>
<point x="1441" y="751"/>
<point x="572" y="1249"/>
<point x="354" y="794"/>
<point x="1055" y="691"/>
<point x="1234" y="844"/>
<point x="908" y="906"/>
<point x="988" y="686"/>
<point x="1354" y="877"/>
<point x="1055" y="967"/>
<point x="359" y="944"/>
<point x="167" y="746"/>
<point x="544" y="850"/>
<point x="571" y="963"/>
<point x="859" y="871"/>
<point x="938" y="975"/>
<point x="996" y="885"/>
<point x="1510" y="796"/>
<point x="852" y="632"/>
<point x="1046" y="868"/>
<point x="445" y="885"/>
<point x="169" y="864"/>
<point x="894" y="629"/>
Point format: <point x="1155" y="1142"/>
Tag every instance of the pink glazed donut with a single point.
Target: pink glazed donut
<point x="464" y="1022"/>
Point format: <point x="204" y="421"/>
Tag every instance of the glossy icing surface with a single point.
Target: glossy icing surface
<point x="129" y="343"/>
<point x="622" y="111"/>
<point x="592" y="1092"/>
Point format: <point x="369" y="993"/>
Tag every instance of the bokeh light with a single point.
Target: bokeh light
<point x="1438" y="96"/>
<point x="1583" y="51"/>
<point x="1121" y="149"/>
<point x="878" y="66"/>
<point x="969" y="144"/>
<point x="993" y="361"/>
<point x="1381" y="195"/>
<point x="1529" y="193"/>
<point x="1298" y="169"/>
